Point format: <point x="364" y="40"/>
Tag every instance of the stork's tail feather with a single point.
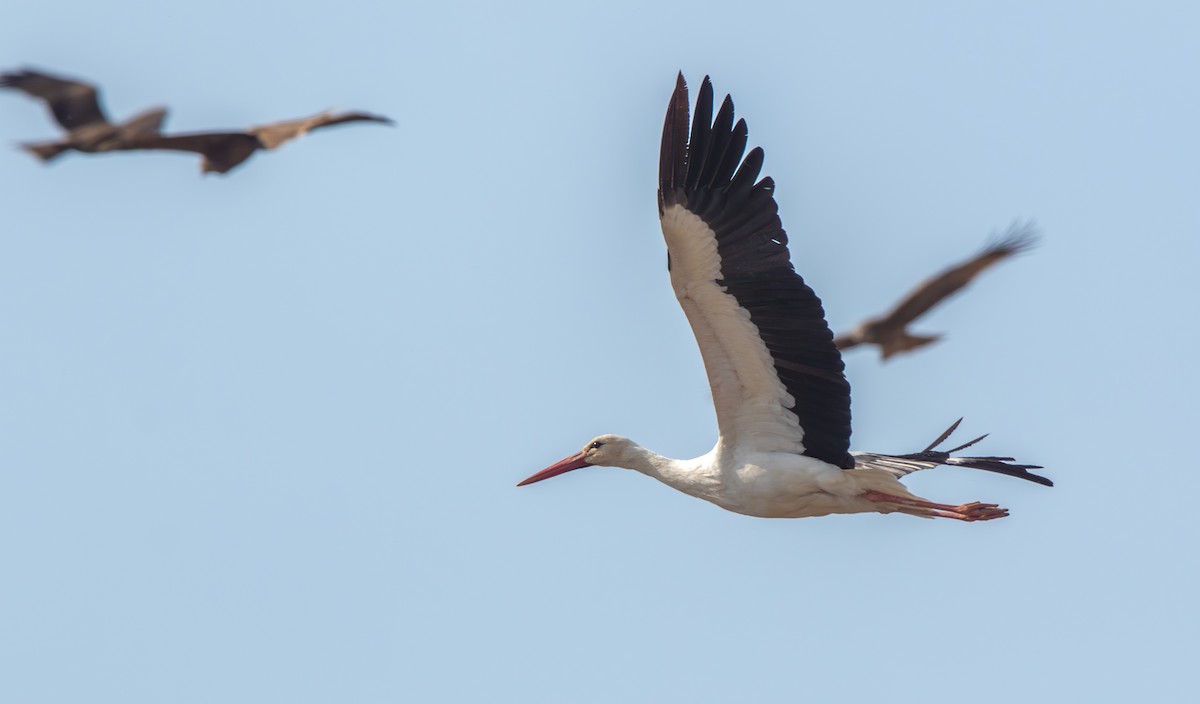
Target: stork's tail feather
<point x="900" y="465"/>
<point x="1000" y="465"/>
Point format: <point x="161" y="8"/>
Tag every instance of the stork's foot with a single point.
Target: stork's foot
<point x="974" y="511"/>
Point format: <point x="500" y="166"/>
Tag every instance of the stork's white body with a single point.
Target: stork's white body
<point x="763" y="484"/>
<point x="782" y="401"/>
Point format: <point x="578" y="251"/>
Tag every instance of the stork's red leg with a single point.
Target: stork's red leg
<point x="974" y="511"/>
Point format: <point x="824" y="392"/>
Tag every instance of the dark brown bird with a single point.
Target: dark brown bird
<point x="224" y="150"/>
<point x="889" y="331"/>
<point x="76" y="106"/>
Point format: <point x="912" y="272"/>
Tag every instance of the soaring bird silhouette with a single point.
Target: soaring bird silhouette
<point x="223" y="151"/>
<point x="890" y="332"/>
<point x="75" y="105"/>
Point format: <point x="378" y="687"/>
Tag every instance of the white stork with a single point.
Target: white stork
<point x="782" y="400"/>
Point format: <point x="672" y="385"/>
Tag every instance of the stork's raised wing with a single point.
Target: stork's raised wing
<point x="775" y="373"/>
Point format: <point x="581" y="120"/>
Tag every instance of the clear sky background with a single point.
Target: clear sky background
<point x="259" y="434"/>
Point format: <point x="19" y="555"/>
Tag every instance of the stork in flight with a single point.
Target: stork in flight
<point x="890" y="331"/>
<point x="782" y="400"/>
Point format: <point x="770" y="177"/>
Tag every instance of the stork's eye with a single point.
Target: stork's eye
<point x="595" y="445"/>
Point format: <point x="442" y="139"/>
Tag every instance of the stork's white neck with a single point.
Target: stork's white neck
<point x="634" y="456"/>
<point x="698" y="477"/>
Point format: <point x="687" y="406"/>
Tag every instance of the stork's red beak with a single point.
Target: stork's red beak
<point x="575" y="461"/>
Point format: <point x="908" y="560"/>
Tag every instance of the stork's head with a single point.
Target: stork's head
<point x="606" y="450"/>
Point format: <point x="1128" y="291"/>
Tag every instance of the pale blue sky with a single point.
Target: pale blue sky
<point x="259" y="434"/>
